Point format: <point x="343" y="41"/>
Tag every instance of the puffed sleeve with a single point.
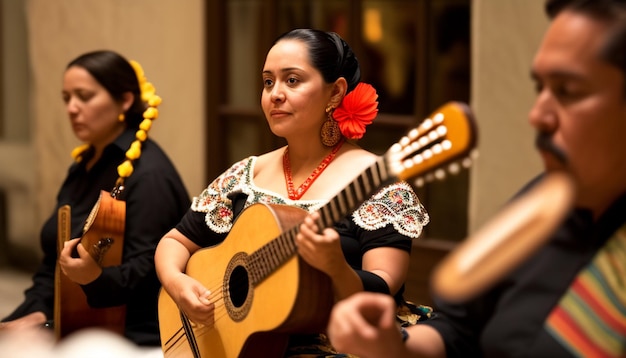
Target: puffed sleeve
<point x="211" y="215"/>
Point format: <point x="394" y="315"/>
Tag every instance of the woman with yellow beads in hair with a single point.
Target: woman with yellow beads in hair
<point x="110" y="106"/>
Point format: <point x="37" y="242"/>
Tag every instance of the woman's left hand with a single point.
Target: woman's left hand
<point x="320" y="250"/>
<point x="82" y="269"/>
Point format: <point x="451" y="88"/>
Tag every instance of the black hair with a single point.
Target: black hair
<point x="117" y="76"/>
<point x="329" y="54"/>
<point x="610" y="12"/>
<point x="602" y="9"/>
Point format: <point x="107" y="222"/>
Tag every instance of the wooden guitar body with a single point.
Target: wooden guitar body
<point x="295" y="298"/>
<point x="103" y="237"/>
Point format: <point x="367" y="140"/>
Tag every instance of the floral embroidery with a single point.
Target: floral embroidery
<point x="215" y="203"/>
<point x="396" y="204"/>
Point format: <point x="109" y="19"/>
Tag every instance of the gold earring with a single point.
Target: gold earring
<point x="121" y="117"/>
<point x="330" y="132"/>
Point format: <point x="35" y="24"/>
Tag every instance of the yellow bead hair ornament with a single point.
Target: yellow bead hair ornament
<point x="77" y="153"/>
<point x="151" y="113"/>
<point x="145" y="125"/>
<point x="134" y="151"/>
<point x="141" y="135"/>
<point x="148" y="96"/>
<point x="152" y="101"/>
<point x="125" y="169"/>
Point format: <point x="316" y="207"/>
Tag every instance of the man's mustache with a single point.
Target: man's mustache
<point x="543" y="142"/>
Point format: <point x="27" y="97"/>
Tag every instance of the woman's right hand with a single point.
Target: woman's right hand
<point x="171" y="257"/>
<point x="193" y="299"/>
<point x="31" y="320"/>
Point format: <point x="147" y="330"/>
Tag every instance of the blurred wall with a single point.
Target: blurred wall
<point x="17" y="179"/>
<point x="505" y="35"/>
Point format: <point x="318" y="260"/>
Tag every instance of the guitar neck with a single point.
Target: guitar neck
<point x="361" y="188"/>
<point x="270" y="256"/>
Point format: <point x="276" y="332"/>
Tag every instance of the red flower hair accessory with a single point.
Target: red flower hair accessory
<point x="357" y="110"/>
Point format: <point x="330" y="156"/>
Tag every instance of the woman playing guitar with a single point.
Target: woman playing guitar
<point x="102" y="93"/>
<point x="313" y="97"/>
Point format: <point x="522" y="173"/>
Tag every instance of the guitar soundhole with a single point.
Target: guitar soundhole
<point x="237" y="288"/>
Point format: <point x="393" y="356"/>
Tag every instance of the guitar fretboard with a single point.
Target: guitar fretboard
<point x="272" y="255"/>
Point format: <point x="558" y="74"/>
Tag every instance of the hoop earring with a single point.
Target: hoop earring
<point x="330" y="132"/>
<point x="121" y="117"/>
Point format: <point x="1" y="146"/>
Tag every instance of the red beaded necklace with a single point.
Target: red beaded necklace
<point x="297" y="194"/>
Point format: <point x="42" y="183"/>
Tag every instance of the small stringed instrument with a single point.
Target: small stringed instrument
<point x="262" y="290"/>
<point x="103" y="238"/>
<point x="504" y="241"/>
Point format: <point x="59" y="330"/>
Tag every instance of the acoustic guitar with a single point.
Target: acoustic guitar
<point x="262" y="290"/>
<point x="103" y="238"/>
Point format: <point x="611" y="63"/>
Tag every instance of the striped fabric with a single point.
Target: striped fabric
<point x="590" y="320"/>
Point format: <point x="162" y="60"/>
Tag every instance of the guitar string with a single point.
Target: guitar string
<point x="257" y="266"/>
<point x="191" y="339"/>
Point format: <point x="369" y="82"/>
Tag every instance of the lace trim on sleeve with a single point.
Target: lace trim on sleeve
<point x="396" y="204"/>
<point x="214" y="199"/>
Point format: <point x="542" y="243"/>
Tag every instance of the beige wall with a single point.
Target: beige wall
<point x="505" y="34"/>
<point x="16" y="153"/>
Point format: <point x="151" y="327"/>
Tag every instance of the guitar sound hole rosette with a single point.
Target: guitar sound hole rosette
<point x="237" y="288"/>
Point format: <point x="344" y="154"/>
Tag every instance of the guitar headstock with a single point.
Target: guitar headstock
<point x="446" y="138"/>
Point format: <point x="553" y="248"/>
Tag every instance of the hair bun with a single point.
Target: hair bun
<point x="348" y="65"/>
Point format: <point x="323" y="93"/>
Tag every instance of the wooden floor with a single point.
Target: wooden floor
<point x="13" y="282"/>
<point x="87" y="343"/>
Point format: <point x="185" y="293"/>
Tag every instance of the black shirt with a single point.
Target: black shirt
<point x="155" y="199"/>
<point x="508" y="320"/>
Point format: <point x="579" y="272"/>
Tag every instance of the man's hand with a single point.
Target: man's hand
<point x="364" y="324"/>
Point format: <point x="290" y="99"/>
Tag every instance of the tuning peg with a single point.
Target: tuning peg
<point x="454" y="168"/>
<point x="440" y="174"/>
